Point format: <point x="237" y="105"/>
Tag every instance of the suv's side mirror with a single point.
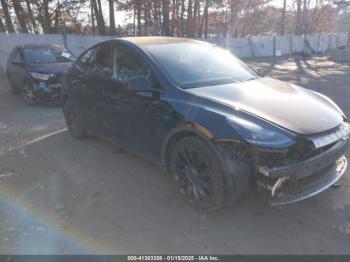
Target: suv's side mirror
<point x="139" y="84"/>
<point x="16" y="62"/>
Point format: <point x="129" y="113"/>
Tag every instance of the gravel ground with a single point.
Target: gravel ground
<point x="63" y="196"/>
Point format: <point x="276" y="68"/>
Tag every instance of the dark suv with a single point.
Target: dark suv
<point x="35" y="71"/>
<point x="216" y="126"/>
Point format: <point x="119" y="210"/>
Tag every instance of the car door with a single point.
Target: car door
<point x="93" y="72"/>
<point x="129" y="112"/>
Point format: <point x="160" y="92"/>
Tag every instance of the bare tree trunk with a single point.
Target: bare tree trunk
<point x="155" y="18"/>
<point x="165" y="11"/>
<point x="46" y="22"/>
<point x="235" y="17"/>
<point x="92" y="17"/>
<point x="194" y="20"/>
<point x="111" y="18"/>
<point x="134" y="24"/>
<point x="20" y="16"/>
<point x="101" y="28"/>
<point x="8" y="21"/>
<point x="100" y="15"/>
<point x="2" y="26"/>
<point x="189" y="18"/>
<point x="305" y="18"/>
<point x="31" y="17"/>
<point x="298" y="19"/>
<point x="182" y="17"/>
<point x="56" y="25"/>
<point x="177" y="17"/>
<point x="206" y="9"/>
<point x="138" y="10"/>
<point x="173" y="18"/>
<point x="283" y="22"/>
<point x="146" y="17"/>
<point x="225" y="25"/>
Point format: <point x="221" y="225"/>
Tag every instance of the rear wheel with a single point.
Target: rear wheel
<point x="28" y="94"/>
<point x="198" y="173"/>
<point x="74" y="119"/>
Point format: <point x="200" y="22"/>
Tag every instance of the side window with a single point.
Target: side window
<point x="99" y="60"/>
<point x="129" y="66"/>
<point x="86" y="57"/>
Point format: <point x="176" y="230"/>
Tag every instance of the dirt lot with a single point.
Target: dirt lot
<point x="60" y="195"/>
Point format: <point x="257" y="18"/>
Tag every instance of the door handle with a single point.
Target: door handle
<point x="114" y="96"/>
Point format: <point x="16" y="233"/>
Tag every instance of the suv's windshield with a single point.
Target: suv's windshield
<point x="193" y="64"/>
<point x="41" y="55"/>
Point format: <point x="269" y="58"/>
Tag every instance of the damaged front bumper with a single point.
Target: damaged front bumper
<point x="48" y="92"/>
<point x="295" y="182"/>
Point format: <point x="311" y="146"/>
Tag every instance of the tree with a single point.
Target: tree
<point x="298" y="19"/>
<point x="97" y="7"/>
<point x="2" y="26"/>
<point x="111" y="17"/>
<point x="20" y="16"/>
<point x="165" y="11"/>
<point x="138" y="13"/>
<point x="31" y="17"/>
<point x="206" y="9"/>
<point x="236" y="8"/>
<point x="283" y="22"/>
<point x="8" y="20"/>
<point x="182" y="22"/>
<point x="189" y="18"/>
<point x="194" y="20"/>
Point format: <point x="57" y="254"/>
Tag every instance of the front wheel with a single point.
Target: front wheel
<point x="198" y="173"/>
<point x="74" y="119"/>
<point x="28" y="94"/>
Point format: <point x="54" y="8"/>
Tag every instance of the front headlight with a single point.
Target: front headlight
<point x="259" y="135"/>
<point x="40" y="76"/>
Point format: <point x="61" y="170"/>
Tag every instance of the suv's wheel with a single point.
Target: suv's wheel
<point x="198" y="173"/>
<point x="74" y="119"/>
<point x="28" y="94"/>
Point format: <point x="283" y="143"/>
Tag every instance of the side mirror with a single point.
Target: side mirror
<point x="16" y="62"/>
<point x="139" y="84"/>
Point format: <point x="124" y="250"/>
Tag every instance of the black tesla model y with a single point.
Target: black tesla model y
<point x="35" y="71"/>
<point x="215" y="125"/>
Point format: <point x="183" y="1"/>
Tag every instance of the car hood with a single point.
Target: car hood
<point x="287" y="105"/>
<point x="50" y="68"/>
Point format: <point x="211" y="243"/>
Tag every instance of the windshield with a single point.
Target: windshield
<point x="193" y="64"/>
<point x="41" y="55"/>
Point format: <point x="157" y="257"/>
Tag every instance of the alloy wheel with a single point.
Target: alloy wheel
<point x="28" y="94"/>
<point x="193" y="175"/>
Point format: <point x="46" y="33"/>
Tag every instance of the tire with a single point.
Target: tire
<point x="198" y="173"/>
<point x="28" y="94"/>
<point x="74" y="119"/>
